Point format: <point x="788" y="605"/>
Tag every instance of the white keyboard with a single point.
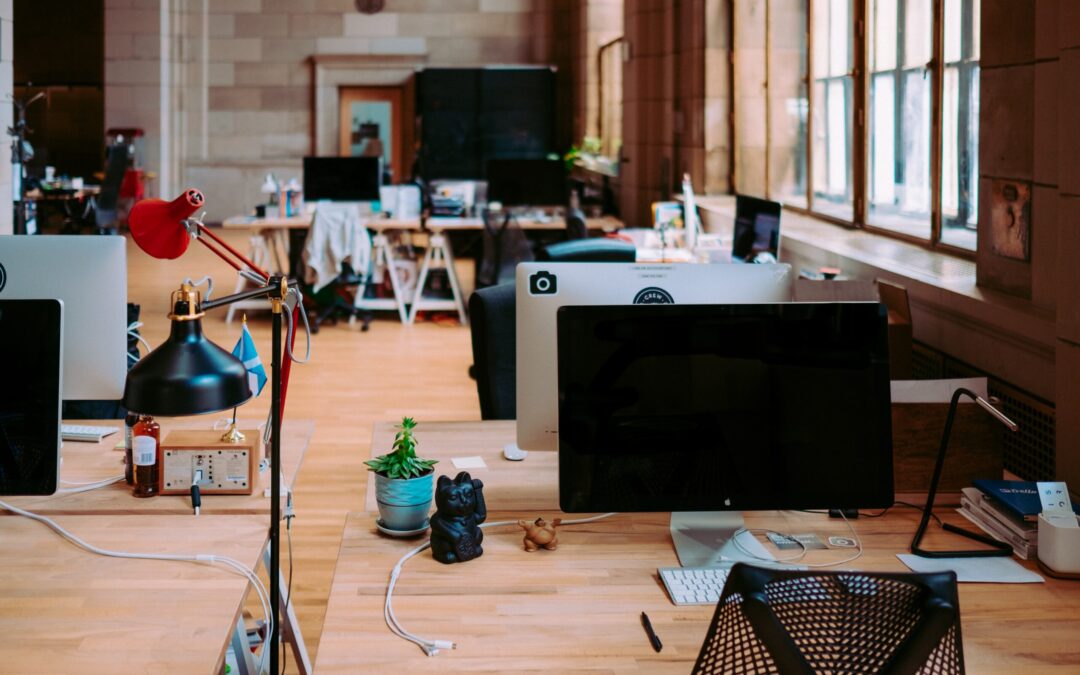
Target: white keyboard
<point x="694" y="585"/>
<point x="81" y="432"/>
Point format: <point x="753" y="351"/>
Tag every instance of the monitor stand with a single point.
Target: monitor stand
<point x="704" y="539"/>
<point x="512" y="452"/>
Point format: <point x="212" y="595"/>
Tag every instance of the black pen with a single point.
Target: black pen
<point x="656" y="644"/>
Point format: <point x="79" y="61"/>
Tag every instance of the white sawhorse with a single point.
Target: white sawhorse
<point x="266" y="252"/>
<point x="438" y="255"/>
<point x="383" y="256"/>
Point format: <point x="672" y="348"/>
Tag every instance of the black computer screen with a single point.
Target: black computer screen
<point x="724" y="407"/>
<point x="527" y="182"/>
<point x="30" y="334"/>
<point x="342" y="179"/>
<point x="757" y="228"/>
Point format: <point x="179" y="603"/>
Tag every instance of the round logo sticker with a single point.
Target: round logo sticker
<point x="653" y="296"/>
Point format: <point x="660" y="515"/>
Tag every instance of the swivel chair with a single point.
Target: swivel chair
<point x="801" y="622"/>
<point x="492" y="318"/>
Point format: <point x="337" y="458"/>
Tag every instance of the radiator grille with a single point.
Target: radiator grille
<point x="1028" y="453"/>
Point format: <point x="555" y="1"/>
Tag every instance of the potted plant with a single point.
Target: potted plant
<point x="404" y="483"/>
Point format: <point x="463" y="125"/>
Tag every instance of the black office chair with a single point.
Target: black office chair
<point x="106" y="204"/>
<point x="504" y="246"/>
<point x="332" y="302"/>
<point x="596" y="249"/>
<point x="494" y="344"/>
<point x="781" y="621"/>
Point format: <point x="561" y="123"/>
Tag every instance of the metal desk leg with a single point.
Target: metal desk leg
<point x="290" y="625"/>
<point x="245" y="661"/>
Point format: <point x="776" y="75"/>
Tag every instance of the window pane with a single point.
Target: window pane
<point x="882" y="141"/>
<point x="832" y="108"/>
<point x="787" y="101"/>
<point x="960" y="125"/>
<point x="883" y="35"/>
<point x="918" y="33"/>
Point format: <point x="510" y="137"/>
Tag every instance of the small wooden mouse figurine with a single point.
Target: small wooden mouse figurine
<point x="539" y="534"/>
<point x="459" y="510"/>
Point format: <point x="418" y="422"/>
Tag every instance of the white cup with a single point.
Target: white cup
<point x="50" y="173"/>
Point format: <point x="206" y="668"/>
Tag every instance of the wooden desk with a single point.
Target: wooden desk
<point x="601" y="224"/>
<point x="87" y="462"/>
<point x="577" y="608"/>
<point x="527" y="484"/>
<point x="64" y="610"/>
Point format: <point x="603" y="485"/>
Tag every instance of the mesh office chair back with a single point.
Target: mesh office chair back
<point x="780" y="621"/>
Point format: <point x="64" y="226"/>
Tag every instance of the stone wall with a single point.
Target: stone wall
<point x="242" y="85"/>
<point x="670" y="111"/>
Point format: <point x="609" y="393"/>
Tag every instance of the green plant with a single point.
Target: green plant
<point x="401" y="461"/>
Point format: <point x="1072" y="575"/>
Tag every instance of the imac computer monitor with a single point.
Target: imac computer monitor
<point x="757" y="230"/>
<point x="342" y="179"/>
<point x="527" y="182"/>
<point x="724" y="408"/>
<point x="31" y="340"/>
<point x="90" y="275"/>
<point x="544" y="287"/>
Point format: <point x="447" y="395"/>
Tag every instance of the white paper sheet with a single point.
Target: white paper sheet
<point x="978" y="570"/>
<point x="474" y="462"/>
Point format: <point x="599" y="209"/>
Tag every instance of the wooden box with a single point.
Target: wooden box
<point x="231" y="468"/>
<point x="974" y="448"/>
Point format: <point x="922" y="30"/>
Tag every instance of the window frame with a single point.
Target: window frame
<point x="858" y="130"/>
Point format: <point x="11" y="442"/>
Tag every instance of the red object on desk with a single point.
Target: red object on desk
<point x="132" y="186"/>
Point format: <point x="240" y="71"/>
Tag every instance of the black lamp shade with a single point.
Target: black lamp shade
<point x="187" y="375"/>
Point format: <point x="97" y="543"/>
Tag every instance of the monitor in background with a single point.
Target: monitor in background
<point x="757" y="230"/>
<point x="342" y="179"/>
<point x="544" y="287"/>
<point x="31" y="340"/>
<point x="527" y="182"/>
<point x="90" y="275"/>
<point x="724" y="408"/>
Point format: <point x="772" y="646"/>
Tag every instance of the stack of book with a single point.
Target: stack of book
<point x="1007" y="510"/>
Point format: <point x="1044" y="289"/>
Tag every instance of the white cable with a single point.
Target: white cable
<point x="432" y="647"/>
<point x="291" y="328"/>
<point x="253" y="579"/>
<point x="133" y="331"/>
<point x="208" y="280"/>
<point x="86" y="487"/>
<point x="799" y="557"/>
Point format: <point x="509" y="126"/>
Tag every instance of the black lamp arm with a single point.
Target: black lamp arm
<point x="997" y="548"/>
<point x="269" y="290"/>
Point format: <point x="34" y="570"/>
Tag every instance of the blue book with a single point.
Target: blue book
<point x="1019" y="498"/>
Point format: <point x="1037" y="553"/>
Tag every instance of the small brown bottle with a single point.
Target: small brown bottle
<point x="145" y="438"/>
<point x="129" y="425"/>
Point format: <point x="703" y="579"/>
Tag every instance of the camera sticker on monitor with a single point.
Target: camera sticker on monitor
<point x="653" y="295"/>
<point x="543" y="283"/>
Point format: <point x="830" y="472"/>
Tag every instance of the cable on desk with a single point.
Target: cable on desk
<point x="802" y="553"/>
<point x="88" y="486"/>
<point x="432" y="647"/>
<point x="236" y="566"/>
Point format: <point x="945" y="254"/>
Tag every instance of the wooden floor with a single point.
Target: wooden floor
<point x="353" y="380"/>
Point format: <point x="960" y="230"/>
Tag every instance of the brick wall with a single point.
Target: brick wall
<point x="242" y="89"/>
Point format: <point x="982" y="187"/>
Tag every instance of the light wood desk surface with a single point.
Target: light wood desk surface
<point x="435" y="224"/>
<point x="304" y="222"/>
<point x="87" y="462"/>
<point x="603" y="223"/>
<point x="578" y="608"/>
<point x="64" y="610"/>
<point x="527" y="484"/>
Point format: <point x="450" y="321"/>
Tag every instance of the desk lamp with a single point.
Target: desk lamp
<point x="188" y="374"/>
<point x="998" y="548"/>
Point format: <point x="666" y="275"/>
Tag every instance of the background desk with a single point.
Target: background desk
<point x="577" y="608"/>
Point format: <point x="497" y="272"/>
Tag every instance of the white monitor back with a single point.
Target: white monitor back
<point x="611" y="284"/>
<point x="89" y="274"/>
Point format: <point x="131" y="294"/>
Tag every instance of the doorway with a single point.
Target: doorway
<point x="376" y="121"/>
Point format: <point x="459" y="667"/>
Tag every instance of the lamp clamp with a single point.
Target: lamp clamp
<point x="186" y="304"/>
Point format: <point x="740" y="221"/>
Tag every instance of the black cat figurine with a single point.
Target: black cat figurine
<point x="459" y="510"/>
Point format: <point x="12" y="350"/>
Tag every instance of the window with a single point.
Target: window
<point x="832" y="99"/>
<point x="899" y="133"/>
<point x="960" y="124"/>
<point x="874" y="127"/>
